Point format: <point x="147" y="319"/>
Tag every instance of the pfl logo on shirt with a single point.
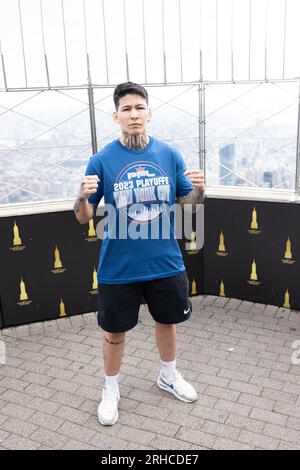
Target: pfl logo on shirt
<point x="139" y="173"/>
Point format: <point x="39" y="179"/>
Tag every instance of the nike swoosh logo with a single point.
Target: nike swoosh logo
<point x="168" y="385"/>
<point x="186" y="311"/>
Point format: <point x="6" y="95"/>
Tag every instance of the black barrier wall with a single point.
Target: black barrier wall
<point x="49" y="261"/>
<point x="48" y="267"/>
<point x="252" y="251"/>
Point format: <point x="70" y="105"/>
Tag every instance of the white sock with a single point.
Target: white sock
<point x="111" y="381"/>
<point x="168" y="368"/>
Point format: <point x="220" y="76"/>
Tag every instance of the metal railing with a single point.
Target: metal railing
<point x="147" y="10"/>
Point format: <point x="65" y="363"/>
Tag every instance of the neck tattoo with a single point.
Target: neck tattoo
<point x="135" y="142"/>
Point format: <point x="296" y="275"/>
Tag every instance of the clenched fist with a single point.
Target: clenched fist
<point x="197" y="179"/>
<point x="89" y="185"/>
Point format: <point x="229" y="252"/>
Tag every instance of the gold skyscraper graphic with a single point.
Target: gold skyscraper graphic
<point x="94" y="290"/>
<point x="287" y="299"/>
<point x="62" y="309"/>
<point x="95" y="280"/>
<point x="254" y="228"/>
<point x="92" y="231"/>
<point x="288" y="249"/>
<point x="288" y="256"/>
<point x="17" y="239"/>
<point x="24" y="301"/>
<point x="92" y="235"/>
<point x="222" y="289"/>
<point x="253" y="275"/>
<point x="194" y="287"/>
<point x="57" y="262"/>
<point x="23" y="293"/>
<point x="221" y="242"/>
<point x="193" y="245"/>
<point x="254" y="224"/>
<point x="58" y="266"/>
<point x="221" y="247"/>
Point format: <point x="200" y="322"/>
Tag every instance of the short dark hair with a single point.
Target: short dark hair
<point x="129" y="88"/>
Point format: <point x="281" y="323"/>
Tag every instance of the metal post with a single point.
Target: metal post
<point x="200" y="151"/>
<point x="201" y="121"/>
<point x="217" y="40"/>
<point x="231" y="42"/>
<point x="23" y="47"/>
<point x="297" y="182"/>
<point x="44" y="47"/>
<point x="266" y="39"/>
<point x="180" y="41"/>
<point x="284" y="40"/>
<point x="163" y="41"/>
<point x="203" y="129"/>
<point x="105" y="41"/>
<point x="92" y="119"/>
<point x="3" y="68"/>
<point x="125" y="41"/>
<point x="249" y="45"/>
<point x="65" y="41"/>
<point x="144" y="40"/>
<point x="47" y="71"/>
<point x="92" y="109"/>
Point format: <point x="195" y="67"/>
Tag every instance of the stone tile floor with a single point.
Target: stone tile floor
<point x="236" y="353"/>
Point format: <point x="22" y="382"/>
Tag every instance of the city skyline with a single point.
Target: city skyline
<point x="254" y="155"/>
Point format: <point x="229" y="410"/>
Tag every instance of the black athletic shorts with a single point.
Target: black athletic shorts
<point x="167" y="299"/>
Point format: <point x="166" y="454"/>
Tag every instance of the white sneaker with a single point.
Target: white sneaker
<point x="108" y="407"/>
<point x="179" y="387"/>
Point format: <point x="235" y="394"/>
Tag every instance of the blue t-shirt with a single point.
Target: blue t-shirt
<point x="139" y="188"/>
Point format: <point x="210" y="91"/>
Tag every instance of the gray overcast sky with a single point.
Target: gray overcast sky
<point x="57" y="27"/>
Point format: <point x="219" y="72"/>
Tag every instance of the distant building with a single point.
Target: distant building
<point x="268" y="179"/>
<point x="226" y="165"/>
